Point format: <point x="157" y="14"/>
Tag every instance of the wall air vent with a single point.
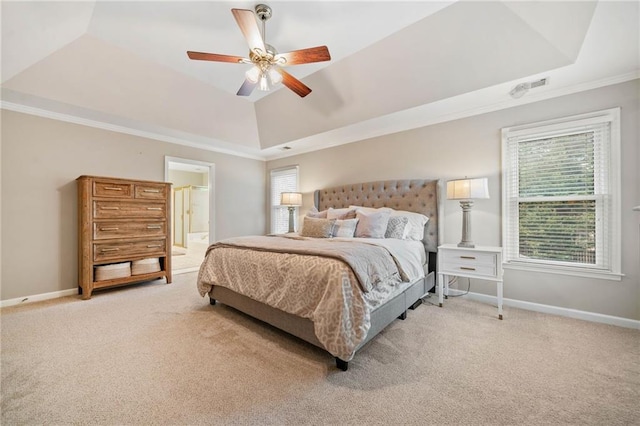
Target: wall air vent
<point x="522" y="88"/>
<point x="538" y="83"/>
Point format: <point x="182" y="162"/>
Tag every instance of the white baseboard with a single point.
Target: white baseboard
<point x="548" y="309"/>
<point x="38" y="297"/>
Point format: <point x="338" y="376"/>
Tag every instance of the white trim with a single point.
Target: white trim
<point x="212" y="189"/>
<point x="547" y="268"/>
<point x="412" y="118"/>
<point x="25" y="109"/>
<point x="548" y="309"/>
<point x="422" y="116"/>
<point x="510" y="222"/>
<point x="38" y="297"/>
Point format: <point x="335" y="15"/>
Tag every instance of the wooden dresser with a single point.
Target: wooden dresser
<point x="121" y="221"/>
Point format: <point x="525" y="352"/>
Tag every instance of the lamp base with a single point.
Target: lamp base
<point x="466" y="224"/>
<point x="291" y="220"/>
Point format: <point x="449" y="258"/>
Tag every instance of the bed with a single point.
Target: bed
<point x="337" y="308"/>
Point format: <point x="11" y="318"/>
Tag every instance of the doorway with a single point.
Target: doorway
<point x="192" y="221"/>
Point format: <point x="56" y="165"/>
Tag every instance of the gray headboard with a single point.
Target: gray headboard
<point x="416" y="195"/>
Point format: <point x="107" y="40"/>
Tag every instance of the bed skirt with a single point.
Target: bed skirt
<point x="303" y="328"/>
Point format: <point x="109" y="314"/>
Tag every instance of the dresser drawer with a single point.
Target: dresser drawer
<point x="150" y="191"/>
<point x="105" y="230"/>
<point x="110" y="189"/>
<point x="127" y="209"/>
<point x="113" y="251"/>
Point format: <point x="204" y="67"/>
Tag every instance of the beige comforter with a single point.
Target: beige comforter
<point x="334" y="283"/>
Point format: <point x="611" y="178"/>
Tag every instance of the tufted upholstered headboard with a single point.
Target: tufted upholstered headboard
<point x="417" y="195"/>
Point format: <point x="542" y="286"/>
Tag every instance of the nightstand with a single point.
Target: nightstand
<point x="482" y="262"/>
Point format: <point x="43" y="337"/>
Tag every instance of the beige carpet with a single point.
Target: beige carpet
<point x="160" y="354"/>
<point x="192" y="257"/>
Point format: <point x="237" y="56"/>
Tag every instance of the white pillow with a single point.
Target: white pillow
<point x="415" y="227"/>
<point x="372" y="224"/>
<point x="345" y="228"/>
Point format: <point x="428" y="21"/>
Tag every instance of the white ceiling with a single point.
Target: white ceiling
<point x="395" y="65"/>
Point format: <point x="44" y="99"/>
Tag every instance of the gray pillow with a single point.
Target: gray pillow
<point x="396" y="227"/>
<point x="317" y="228"/>
<point x="372" y="224"/>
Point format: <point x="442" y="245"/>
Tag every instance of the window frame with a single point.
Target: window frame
<point x="553" y="128"/>
<point x="273" y="207"/>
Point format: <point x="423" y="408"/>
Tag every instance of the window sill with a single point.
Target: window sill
<point x="548" y="269"/>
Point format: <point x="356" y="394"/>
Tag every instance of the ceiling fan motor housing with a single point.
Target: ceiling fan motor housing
<point x="263" y="11"/>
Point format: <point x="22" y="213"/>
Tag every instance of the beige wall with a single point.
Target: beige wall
<point x="472" y="147"/>
<point x="41" y="158"/>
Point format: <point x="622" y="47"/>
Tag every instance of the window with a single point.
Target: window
<point x="282" y="180"/>
<point x="561" y="195"/>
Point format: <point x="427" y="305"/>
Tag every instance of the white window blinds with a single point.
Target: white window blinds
<point x="560" y="194"/>
<point x="282" y="180"/>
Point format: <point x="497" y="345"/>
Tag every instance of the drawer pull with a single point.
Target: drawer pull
<point x="154" y="245"/>
<point x="155" y="191"/>
<point x="468" y="257"/>
<point x="109" y="249"/>
<point x="110" y="208"/>
<point x="154" y="226"/>
<point x="112" y="228"/>
<point x="112" y="188"/>
<point x="467" y="269"/>
<point x="154" y="208"/>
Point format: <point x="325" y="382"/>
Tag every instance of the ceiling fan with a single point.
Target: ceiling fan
<point x="267" y="62"/>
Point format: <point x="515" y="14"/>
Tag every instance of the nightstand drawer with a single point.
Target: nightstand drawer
<point x="468" y="257"/>
<point x="479" y="270"/>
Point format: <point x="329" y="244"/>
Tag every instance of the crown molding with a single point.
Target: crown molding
<point x="69" y="118"/>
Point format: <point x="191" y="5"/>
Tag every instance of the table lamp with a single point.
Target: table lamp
<point x="465" y="190"/>
<point x="291" y="200"/>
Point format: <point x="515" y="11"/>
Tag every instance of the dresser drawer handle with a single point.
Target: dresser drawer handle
<point x="154" y="226"/>
<point x="154" y="208"/>
<point x="468" y="257"/>
<point x="112" y="188"/>
<point x="110" y="208"/>
<point x="154" y="245"/>
<point x="467" y="269"/>
<point x="112" y="228"/>
<point x="109" y="249"/>
<point x="155" y="191"/>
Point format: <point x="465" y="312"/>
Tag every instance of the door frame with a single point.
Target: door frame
<point x="212" y="179"/>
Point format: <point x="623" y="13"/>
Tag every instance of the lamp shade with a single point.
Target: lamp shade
<point x="291" y="199"/>
<point x="467" y="189"/>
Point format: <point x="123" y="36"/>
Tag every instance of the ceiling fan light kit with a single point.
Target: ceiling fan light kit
<point x="267" y="63"/>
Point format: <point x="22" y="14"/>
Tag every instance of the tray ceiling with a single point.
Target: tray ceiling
<point x="395" y="65"/>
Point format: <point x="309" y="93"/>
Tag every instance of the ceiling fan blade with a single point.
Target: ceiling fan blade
<point x="201" y="56"/>
<point x="305" y="56"/>
<point x="246" y="20"/>
<point x="293" y="83"/>
<point x="246" y="88"/>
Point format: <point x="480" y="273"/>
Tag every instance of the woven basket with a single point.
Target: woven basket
<point x="115" y="270"/>
<point x="145" y="266"/>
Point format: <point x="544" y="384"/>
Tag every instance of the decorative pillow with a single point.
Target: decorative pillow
<point x="372" y="224"/>
<point x="415" y="227"/>
<point x="315" y="213"/>
<point x="396" y="227"/>
<point x="344" y="228"/>
<point x="317" y="228"/>
<point x="346" y="213"/>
